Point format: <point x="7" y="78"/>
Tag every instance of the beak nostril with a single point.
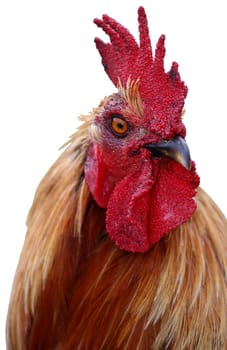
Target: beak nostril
<point x="135" y="152"/>
<point x="156" y="153"/>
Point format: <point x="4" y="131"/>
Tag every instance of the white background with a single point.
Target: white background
<point x="50" y="73"/>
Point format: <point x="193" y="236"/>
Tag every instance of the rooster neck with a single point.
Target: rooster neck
<point x="143" y="299"/>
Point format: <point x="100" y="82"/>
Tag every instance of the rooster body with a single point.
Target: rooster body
<point x="111" y="260"/>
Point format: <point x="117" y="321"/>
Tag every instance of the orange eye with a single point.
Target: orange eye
<point x="119" y="126"/>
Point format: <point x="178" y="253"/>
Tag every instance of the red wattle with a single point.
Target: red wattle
<point x="127" y="215"/>
<point x="152" y="199"/>
<point x="172" y="198"/>
<point x="141" y="209"/>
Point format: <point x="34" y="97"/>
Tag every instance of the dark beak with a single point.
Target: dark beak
<point x="176" y="149"/>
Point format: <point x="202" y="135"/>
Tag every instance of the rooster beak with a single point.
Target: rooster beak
<point x="176" y="149"/>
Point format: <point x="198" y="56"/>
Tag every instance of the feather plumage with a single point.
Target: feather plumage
<point x="173" y="296"/>
<point x="74" y="288"/>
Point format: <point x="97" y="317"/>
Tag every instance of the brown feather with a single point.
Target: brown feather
<point x="173" y="297"/>
<point x="53" y="248"/>
<point x="74" y="289"/>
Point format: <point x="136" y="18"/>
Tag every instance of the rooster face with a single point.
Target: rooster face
<point x="147" y="184"/>
<point x="138" y="165"/>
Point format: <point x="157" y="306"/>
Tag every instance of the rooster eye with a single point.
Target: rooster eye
<point x="118" y="125"/>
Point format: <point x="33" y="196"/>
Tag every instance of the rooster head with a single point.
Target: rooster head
<point x="138" y="164"/>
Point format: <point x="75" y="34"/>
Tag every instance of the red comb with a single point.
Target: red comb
<point x="123" y="58"/>
<point x="123" y="55"/>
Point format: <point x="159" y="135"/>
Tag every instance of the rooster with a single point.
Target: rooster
<point x="124" y="250"/>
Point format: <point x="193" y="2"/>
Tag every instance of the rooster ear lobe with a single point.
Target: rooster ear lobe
<point x="97" y="175"/>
